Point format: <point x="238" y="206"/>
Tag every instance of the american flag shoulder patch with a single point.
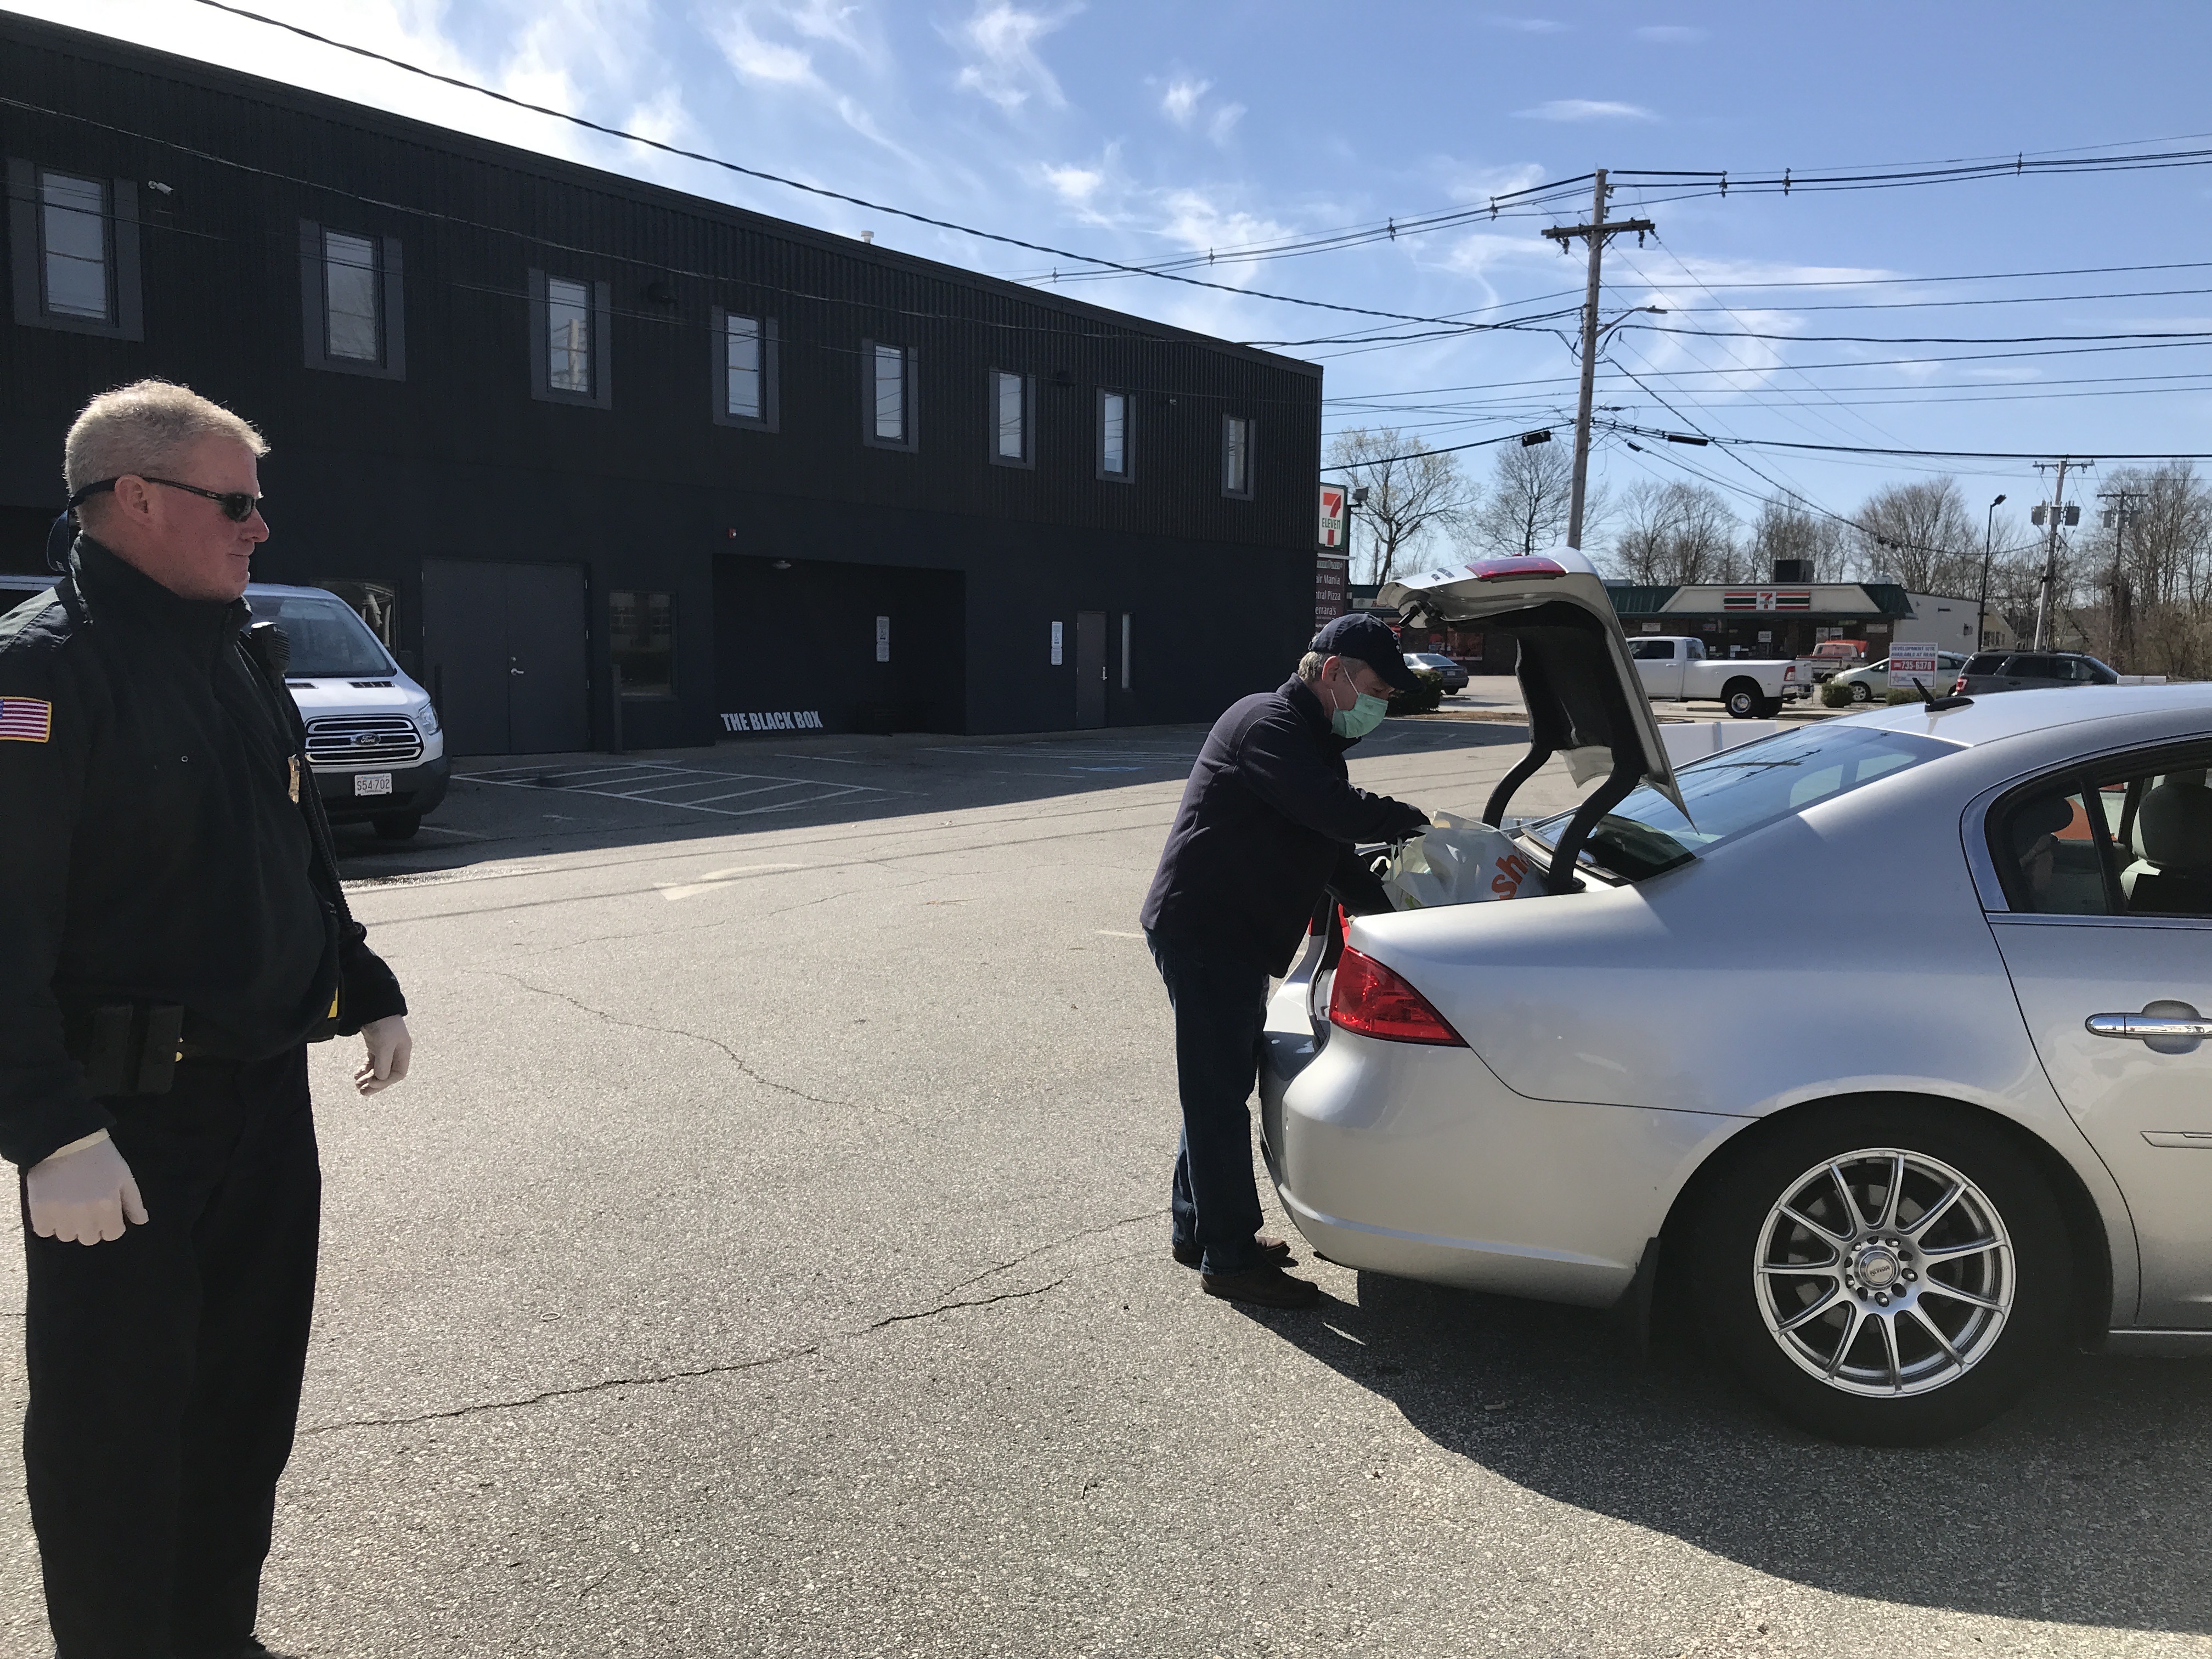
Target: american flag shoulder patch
<point x="25" y="720"/>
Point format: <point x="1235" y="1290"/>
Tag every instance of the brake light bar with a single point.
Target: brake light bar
<point x="1373" y="1000"/>
<point x="1491" y="570"/>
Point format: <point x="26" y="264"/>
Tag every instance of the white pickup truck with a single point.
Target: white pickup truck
<point x="1675" y="669"/>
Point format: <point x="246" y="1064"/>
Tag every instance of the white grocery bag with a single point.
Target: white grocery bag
<point x="1458" y="861"/>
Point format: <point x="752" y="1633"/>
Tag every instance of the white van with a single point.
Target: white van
<point x="372" y="738"/>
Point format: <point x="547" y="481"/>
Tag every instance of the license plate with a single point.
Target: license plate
<point x="372" y="783"/>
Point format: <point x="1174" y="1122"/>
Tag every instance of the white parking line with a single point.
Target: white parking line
<point x="648" y="783"/>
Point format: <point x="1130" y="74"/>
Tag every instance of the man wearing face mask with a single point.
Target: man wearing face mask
<point x="1267" y="815"/>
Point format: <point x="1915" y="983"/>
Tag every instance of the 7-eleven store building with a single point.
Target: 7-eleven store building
<point x="1789" y="621"/>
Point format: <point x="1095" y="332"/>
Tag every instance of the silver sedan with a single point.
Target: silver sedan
<point x="1888" y="1180"/>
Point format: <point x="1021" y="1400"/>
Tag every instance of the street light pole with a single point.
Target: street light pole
<point x="1982" y="607"/>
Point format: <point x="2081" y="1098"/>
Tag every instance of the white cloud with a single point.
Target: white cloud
<point x="1527" y="25"/>
<point x="1224" y="123"/>
<point x="1005" y="68"/>
<point x="1075" y="186"/>
<point x="1179" y="103"/>
<point x="754" y="58"/>
<point x="1585" y="109"/>
<point x="1669" y="34"/>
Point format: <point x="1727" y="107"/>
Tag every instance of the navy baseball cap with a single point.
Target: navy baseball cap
<point x="1368" y="640"/>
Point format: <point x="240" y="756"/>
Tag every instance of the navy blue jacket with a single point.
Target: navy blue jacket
<point x="1267" y="812"/>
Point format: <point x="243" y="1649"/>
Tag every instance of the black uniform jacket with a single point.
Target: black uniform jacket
<point x="1268" y="812"/>
<point x="151" y="846"/>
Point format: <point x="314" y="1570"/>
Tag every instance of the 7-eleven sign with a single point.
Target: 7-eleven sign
<point x="1332" y="515"/>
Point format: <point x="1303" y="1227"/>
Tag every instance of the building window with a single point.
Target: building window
<point x="744" y="370"/>
<point x="641" y="633"/>
<point x="1114" y="435"/>
<point x="570" y="320"/>
<point x="74" y="243"/>
<point x="887" y="392"/>
<point x="351" y="302"/>
<point x="1236" y="457"/>
<point x="1013" y="399"/>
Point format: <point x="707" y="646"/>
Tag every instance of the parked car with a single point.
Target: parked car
<point x="1675" y="669"/>
<point x="1830" y="658"/>
<point x="1871" y="682"/>
<point x="2028" y="671"/>
<point x="373" y="744"/>
<point x="1974" y="1139"/>
<point x="1454" y="677"/>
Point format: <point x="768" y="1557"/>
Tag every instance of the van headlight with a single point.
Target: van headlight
<point x="426" y="720"/>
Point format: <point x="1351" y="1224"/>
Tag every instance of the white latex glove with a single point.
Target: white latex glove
<point x="389" y="1049"/>
<point x="83" y="1193"/>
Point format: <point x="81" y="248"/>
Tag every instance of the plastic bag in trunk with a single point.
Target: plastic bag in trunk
<point x="1457" y="861"/>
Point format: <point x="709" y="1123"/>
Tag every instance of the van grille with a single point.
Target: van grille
<point x="363" y="741"/>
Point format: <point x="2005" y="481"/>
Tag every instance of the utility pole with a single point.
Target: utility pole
<point x="1597" y="233"/>
<point x="2043" y="595"/>
<point x="2118" y="601"/>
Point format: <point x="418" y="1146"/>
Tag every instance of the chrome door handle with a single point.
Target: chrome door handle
<point x="517" y="671"/>
<point x="2166" y="1027"/>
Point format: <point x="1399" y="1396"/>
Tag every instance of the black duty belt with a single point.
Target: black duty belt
<point x="131" y="1048"/>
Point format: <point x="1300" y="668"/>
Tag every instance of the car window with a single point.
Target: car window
<point x="328" y="638"/>
<point x="1651" y="650"/>
<point x="2036" y="668"/>
<point x="2133" y="839"/>
<point x="1733" y="793"/>
<point x="1694" y="650"/>
<point x="1986" y="662"/>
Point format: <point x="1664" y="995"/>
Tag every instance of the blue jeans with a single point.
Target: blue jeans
<point x="1220" y="1009"/>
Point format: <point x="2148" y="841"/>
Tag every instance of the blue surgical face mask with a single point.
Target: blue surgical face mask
<point x="1360" y="719"/>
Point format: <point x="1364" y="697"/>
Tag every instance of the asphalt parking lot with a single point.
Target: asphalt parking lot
<point x="768" y="1256"/>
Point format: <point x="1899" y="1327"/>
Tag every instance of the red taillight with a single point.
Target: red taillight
<point x="1959" y="686"/>
<point x="1369" y="999"/>
<point x="1491" y="570"/>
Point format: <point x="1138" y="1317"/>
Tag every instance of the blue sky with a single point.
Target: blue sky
<point x="1141" y="130"/>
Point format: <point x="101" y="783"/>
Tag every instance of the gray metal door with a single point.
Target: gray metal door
<point x="504" y="651"/>
<point x="1090" y="669"/>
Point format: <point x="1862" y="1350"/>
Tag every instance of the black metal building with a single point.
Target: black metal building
<point x="557" y="432"/>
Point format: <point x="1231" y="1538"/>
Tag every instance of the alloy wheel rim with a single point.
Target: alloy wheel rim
<point x="1884" y="1273"/>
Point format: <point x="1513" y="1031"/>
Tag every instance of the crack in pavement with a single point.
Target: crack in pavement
<point x="659" y="1379"/>
<point x="1031" y="1255"/>
<point x="723" y="1048"/>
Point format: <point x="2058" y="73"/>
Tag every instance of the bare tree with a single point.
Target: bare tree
<point x="1411" y="490"/>
<point x="1526" y="512"/>
<point x="1921" y="536"/>
<point x="1786" y="529"/>
<point x="1677" y="533"/>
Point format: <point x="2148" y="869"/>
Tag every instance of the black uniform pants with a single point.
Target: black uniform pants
<point x="165" y="1368"/>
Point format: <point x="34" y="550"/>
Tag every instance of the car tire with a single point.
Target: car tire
<point x="397" y="826"/>
<point x="1973" y="1328"/>
<point x="1862" y="692"/>
<point x="1742" y="699"/>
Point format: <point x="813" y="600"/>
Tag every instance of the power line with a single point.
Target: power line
<point x="1872" y="449"/>
<point x="813" y="190"/>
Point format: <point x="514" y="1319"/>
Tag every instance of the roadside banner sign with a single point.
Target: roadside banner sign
<point x="1332" y="515"/>
<point x="1911" y="662"/>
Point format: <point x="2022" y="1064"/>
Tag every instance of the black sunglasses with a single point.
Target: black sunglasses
<point x="237" y="505"/>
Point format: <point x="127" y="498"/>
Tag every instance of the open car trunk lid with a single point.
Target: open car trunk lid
<point x="1585" y="700"/>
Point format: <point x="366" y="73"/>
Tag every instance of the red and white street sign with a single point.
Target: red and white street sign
<point x="1332" y="515"/>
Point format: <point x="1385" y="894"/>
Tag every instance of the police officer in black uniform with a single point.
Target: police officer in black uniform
<point x="1270" y="814"/>
<point x="175" y="934"/>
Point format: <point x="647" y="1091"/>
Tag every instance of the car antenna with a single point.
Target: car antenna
<point x="1936" y="705"/>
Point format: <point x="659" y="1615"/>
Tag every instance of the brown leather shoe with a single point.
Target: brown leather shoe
<point x="1273" y="1251"/>
<point x="1268" y="1287"/>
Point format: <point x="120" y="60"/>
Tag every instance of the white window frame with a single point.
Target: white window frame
<point x="1025" y="386"/>
<point x="769" y="417"/>
<point x="1127" y="407"/>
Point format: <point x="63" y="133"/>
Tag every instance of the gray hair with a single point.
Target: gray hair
<point x="1311" y="664"/>
<point x="142" y="429"/>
